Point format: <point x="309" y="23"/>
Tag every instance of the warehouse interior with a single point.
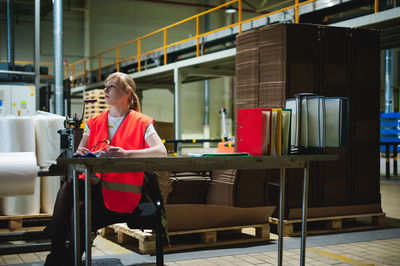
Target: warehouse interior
<point x="280" y="121"/>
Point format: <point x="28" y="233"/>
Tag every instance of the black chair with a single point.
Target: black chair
<point x="148" y="216"/>
<point x="148" y="213"/>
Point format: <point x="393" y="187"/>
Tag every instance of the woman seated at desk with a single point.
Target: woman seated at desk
<point x="121" y="131"/>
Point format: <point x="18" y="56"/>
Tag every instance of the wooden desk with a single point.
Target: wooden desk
<point x="110" y="165"/>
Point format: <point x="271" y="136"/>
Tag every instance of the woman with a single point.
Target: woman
<point x="120" y="132"/>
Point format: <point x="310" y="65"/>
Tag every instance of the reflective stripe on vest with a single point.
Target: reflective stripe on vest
<point x="121" y="187"/>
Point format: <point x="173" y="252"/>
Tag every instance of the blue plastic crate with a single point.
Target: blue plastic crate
<point x="389" y="129"/>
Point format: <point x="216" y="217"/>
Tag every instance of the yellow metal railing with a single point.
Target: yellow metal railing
<point x="83" y="71"/>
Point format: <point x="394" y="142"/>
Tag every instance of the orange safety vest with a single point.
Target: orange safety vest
<point x="121" y="191"/>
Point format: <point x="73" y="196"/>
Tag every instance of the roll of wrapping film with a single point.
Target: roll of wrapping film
<point x="47" y="138"/>
<point x="49" y="188"/>
<point x="22" y="205"/>
<point x="18" y="171"/>
<point x="17" y="134"/>
<point x="47" y="151"/>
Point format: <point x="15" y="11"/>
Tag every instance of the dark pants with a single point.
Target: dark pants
<point x="63" y="220"/>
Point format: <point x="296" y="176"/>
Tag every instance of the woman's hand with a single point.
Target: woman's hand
<point x="81" y="151"/>
<point x="116" y="152"/>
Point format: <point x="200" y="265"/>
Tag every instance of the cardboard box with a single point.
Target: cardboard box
<point x="199" y="216"/>
<point x="166" y="131"/>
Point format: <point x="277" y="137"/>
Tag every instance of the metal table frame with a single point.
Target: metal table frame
<point x="109" y="165"/>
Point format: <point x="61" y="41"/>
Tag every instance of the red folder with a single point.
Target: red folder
<point x="250" y="130"/>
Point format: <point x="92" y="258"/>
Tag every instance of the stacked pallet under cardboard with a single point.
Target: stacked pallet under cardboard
<point x="329" y="61"/>
<point x="97" y="107"/>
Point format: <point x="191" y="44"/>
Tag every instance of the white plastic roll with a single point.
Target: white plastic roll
<point x="22" y="205"/>
<point x="47" y="138"/>
<point x="49" y="188"/>
<point x="17" y="134"/>
<point x="18" y="171"/>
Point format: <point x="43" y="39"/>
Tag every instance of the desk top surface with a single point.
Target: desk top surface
<point x="195" y="163"/>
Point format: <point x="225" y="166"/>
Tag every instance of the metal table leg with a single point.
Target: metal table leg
<point x="304" y="216"/>
<point x="77" y="259"/>
<point x="395" y="146"/>
<point x="88" y="220"/>
<point x="387" y="161"/>
<point x="281" y="215"/>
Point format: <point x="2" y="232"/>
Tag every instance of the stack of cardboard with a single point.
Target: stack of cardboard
<point x="222" y="188"/>
<point x="238" y="188"/>
<point x="187" y="188"/>
<point x="247" y="70"/>
<point x="328" y="61"/>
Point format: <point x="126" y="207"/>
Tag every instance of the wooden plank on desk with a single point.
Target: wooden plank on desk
<point x="195" y="163"/>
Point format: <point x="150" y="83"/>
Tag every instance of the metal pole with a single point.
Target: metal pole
<point x="281" y="215"/>
<point x="389" y="81"/>
<point x="88" y="217"/>
<point x="10" y="33"/>
<point x="77" y="250"/>
<point x="37" y="50"/>
<point x="304" y="216"/>
<point x="58" y="56"/>
<point x="177" y="106"/>
<point x="206" y="125"/>
<point x="387" y="146"/>
<point x="159" y="244"/>
<point x="395" y="147"/>
<point x="86" y="35"/>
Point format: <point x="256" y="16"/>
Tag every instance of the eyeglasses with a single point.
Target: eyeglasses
<point x="99" y="147"/>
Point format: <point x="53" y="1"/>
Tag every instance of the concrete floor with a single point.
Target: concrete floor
<point x="373" y="247"/>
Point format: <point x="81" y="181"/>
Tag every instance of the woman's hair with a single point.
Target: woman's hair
<point x="129" y="86"/>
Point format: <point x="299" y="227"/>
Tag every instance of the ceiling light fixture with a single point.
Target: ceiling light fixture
<point x="230" y="10"/>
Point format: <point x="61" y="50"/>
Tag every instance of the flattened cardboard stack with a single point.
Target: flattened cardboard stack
<point x="187" y="188"/>
<point x="328" y="61"/>
<point x="247" y="70"/>
<point x="222" y="188"/>
<point x="272" y="76"/>
<point x="237" y="188"/>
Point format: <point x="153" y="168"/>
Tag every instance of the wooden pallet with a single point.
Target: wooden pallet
<point x="96" y="105"/>
<point x="332" y="224"/>
<point x="191" y="239"/>
<point x="94" y="93"/>
<point x="24" y="223"/>
<point x="92" y="112"/>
